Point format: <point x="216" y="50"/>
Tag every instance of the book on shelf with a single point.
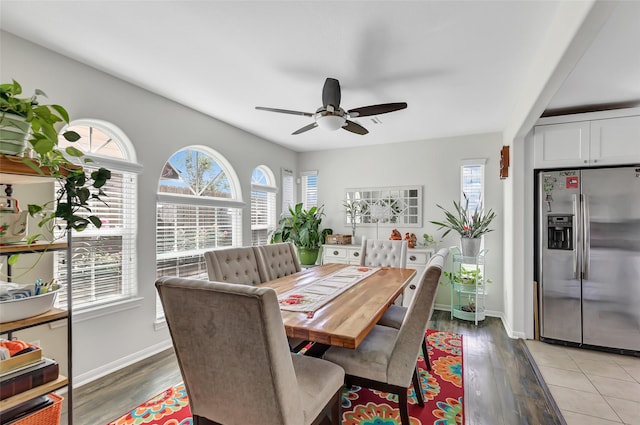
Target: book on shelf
<point x="18" y="381"/>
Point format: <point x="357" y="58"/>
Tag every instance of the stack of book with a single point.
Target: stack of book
<point x="28" y="376"/>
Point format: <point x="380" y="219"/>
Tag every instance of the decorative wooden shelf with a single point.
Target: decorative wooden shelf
<point x="17" y="248"/>
<point x="41" y="319"/>
<point x="10" y="402"/>
<point x="17" y="172"/>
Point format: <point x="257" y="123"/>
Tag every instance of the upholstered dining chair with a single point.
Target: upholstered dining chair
<point x="232" y="352"/>
<point x="386" y="359"/>
<point x="385" y="253"/>
<point x="278" y="260"/>
<point x="235" y="265"/>
<point x="395" y="315"/>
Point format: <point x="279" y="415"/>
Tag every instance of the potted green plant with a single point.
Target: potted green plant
<point x="302" y="228"/>
<point x="354" y="208"/>
<point x="70" y="210"/>
<point x="471" y="226"/>
<point x="23" y="118"/>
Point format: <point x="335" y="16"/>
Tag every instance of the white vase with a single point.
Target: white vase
<point x="470" y="246"/>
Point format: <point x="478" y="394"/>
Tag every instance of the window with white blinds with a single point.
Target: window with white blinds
<point x="472" y="183"/>
<point x="263" y="205"/>
<point x="103" y="261"/>
<point x="288" y="194"/>
<point x="309" y="189"/>
<point x="199" y="208"/>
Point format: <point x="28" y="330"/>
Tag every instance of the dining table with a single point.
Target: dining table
<point x="343" y="320"/>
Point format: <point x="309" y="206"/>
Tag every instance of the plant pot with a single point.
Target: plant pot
<point x="14" y="131"/>
<point x="470" y="246"/>
<point x="307" y="256"/>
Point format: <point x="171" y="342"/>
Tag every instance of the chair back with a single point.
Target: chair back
<point x="278" y="260"/>
<point x="407" y="347"/>
<point x="235" y="265"/>
<point x="384" y="253"/>
<point x="232" y="351"/>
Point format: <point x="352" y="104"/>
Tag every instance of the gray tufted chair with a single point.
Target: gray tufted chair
<point x="386" y="359"/>
<point x="385" y="253"/>
<point x="278" y="260"/>
<point x="235" y="265"/>
<point x="395" y="315"/>
<point x="232" y="352"/>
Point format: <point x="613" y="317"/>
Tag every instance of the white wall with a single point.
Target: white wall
<point x="434" y="164"/>
<point x="157" y="128"/>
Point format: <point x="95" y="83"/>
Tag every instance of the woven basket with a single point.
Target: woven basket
<point x="49" y="415"/>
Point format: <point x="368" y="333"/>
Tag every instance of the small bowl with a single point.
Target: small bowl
<point x="22" y="308"/>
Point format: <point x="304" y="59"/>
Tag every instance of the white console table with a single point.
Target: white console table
<point x="417" y="258"/>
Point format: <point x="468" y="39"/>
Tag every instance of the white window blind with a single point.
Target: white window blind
<point x="472" y="183"/>
<point x="104" y="260"/>
<point x="309" y="189"/>
<point x="263" y="205"/>
<point x="198" y="209"/>
<point x="288" y="198"/>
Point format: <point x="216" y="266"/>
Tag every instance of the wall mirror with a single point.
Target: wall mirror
<point x="399" y="206"/>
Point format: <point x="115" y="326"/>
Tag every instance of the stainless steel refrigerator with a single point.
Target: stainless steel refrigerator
<point x="588" y="256"/>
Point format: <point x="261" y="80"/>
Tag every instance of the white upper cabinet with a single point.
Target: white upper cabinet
<point x="587" y="143"/>
<point x="561" y="145"/>
<point x="615" y="141"/>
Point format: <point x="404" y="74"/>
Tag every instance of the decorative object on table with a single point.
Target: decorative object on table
<point x="427" y="240"/>
<point x="411" y="239"/>
<point x="13" y="222"/>
<point x="338" y="239"/>
<point x="302" y="227"/>
<point x="76" y="188"/>
<point x="443" y="387"/>
<point x="354" y="209"/>
<point x="470" y="226"/>
<point x="395" y="235"/>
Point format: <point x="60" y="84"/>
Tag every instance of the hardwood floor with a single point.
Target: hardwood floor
<point x="501" y="387"/>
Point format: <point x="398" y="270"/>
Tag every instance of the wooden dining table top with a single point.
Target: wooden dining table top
<point x="345" y="320"/>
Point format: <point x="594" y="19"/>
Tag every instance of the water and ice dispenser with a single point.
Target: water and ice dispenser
<point x="560" y="232"/>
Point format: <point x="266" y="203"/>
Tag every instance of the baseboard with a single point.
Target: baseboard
<point x="109" y="368"/>
<point x="491" y="313"/>
<point x="510" y="332"/>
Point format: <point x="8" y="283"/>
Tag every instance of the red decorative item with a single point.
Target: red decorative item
<point x="395" y="235"/>
<point x="411" y="239"/>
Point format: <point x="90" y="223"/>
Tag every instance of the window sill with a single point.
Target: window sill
<point x="102" y="310"/>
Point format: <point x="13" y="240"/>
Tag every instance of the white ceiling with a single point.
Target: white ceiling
<point x="460" y="65"/>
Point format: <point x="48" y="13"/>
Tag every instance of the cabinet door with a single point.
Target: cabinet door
<point x="615" y="141"/>
<point x="416" y="259"/>
<point x="334" y="254"/>
<point x="354" y="255"/>
<point x="561" y="145"/>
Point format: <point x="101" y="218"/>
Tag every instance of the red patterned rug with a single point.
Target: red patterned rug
<point x="442" y="387"/>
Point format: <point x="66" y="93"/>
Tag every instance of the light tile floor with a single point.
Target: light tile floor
<point x="590" y="387"/>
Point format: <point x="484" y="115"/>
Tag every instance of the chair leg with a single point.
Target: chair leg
<point x="425" y="353"/>
<point x="417" y="388"/>
<point x="403" y="405"/>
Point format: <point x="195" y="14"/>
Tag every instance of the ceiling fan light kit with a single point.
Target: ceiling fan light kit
<point x="332" y="117"/>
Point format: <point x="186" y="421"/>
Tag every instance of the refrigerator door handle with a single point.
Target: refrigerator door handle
<point x="577" y="237"/>
<point x="586" y="240"/>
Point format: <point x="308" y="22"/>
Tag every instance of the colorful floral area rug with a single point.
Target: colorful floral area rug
<point x="442" y="386"/>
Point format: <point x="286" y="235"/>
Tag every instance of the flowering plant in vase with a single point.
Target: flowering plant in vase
<point x="468" y="224"/>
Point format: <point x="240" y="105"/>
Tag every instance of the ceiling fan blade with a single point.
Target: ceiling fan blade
<point x="355" y="128"/>
<point x="331" y="93"/>
<point x="366" y="111"/>
<point x="305" y="128"/>
<point x="284" y="111"/>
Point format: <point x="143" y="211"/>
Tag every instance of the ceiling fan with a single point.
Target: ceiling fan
<point x="332" y="117"/>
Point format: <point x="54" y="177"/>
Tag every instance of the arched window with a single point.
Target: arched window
<point x="104" y="260"/>
<point x="263" y="204"/>
<point x="199" y="208"/>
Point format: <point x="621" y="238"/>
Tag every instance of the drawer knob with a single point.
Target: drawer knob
<point x="335" y="252"/>
<point x="412" y="286"/>
<point x="412" y="258"/>
<point x="356" y="254"/>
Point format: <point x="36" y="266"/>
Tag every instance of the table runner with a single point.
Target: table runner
<point x="314" y="295"/>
